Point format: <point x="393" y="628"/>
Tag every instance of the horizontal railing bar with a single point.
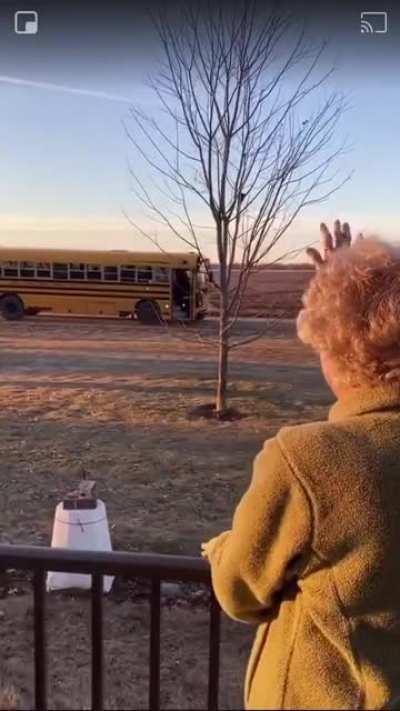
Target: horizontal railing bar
<point x="148" y="565"/>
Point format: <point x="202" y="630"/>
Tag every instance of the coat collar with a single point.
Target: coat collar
<point x="363" y="400"/>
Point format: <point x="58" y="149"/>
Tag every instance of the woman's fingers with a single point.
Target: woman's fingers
<point x="337" y="233"/>
<point x="346" y="234"/>
<point x="325" y="232"/>
<point x="315" y="256"/>
<point x="341" y="238"/>
<point x="326" y="239"/>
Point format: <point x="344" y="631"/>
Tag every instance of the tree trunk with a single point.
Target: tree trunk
<point x="223" y="350"/>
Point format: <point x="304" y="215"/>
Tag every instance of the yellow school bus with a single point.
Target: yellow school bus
<point x="150" y="286"/>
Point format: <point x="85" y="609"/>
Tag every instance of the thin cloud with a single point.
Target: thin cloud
<point x="16" y="81"/>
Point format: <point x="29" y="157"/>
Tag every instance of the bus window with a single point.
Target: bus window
<point x="160" y="275"/>
<point x="144" y="274"/>
<point x="43" y="270"/>
<point x="27" y="269"/>
<point x="128" y="273"/>
<point x="10" y="269"/>
<point x="77" y="271"/>
<point x="94" y="272"/>
<point x="60" y="271"/>
<point x="111" y="273"/>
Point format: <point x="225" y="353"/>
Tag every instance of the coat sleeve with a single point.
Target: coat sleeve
<point x="269" y="542"/>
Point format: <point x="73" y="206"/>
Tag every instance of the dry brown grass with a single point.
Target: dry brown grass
<point x="112" y="397"/>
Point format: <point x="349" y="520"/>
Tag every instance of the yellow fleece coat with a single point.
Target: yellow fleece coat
<point x="313" y="558"/>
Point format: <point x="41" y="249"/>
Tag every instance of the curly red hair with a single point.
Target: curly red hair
<point x="352" y="311"/>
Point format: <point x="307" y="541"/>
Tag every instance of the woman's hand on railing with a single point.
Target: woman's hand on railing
<point x="209" y="547"/>
<point x="204" y="550"/>
<point x="341" y="238"/>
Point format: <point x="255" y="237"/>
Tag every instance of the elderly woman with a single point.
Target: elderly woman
<point x="313" y="555"/>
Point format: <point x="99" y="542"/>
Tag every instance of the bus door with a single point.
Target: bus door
<point x="182" y="293"/>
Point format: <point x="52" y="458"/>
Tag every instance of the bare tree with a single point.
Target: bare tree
<point x="241" y="134"/>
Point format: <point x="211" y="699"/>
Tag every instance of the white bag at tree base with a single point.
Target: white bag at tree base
<point x="79" y="529"/>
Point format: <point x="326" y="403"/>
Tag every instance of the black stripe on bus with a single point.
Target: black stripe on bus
<point x="75" y="293"/>
<point x="78" y="283"/>
<point x="38" y="289"/>
<point x="93" y="286"/>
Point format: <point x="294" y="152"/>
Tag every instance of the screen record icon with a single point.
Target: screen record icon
<point x="26" y="22"/>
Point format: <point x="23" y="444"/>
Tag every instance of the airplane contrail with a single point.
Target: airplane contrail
<point x="16" y="81"/>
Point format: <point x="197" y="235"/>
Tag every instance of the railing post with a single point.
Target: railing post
<point x="40" y="661"/>
<point x="214" y="650"/>
<point x="155" y="638"/>
<point x="97" y="642"/>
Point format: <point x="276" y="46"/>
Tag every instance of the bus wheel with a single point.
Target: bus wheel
<point x="148" y="312"/>
<point x="11" y="308"/>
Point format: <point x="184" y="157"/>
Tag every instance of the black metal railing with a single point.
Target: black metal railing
<point x="157" y="568"/>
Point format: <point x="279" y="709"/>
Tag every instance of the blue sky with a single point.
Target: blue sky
<point x="63" y="150"/>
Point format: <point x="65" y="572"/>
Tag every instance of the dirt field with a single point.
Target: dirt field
<point x="271" y="293"/>
<point x="112" y="398"/>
